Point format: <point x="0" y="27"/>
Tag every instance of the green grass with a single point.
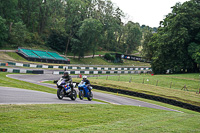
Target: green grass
<point x="9" y="82"/>
<point x="15" y="56"/>
<point x="85" y="61"/>
<point x="91" y="53"/>
<point x="89" y="118"/>
<point x="162" y="90"/>
<point x="94" y="118"/>
<point x="101" y="61"/>
<point x="176" y="81"/>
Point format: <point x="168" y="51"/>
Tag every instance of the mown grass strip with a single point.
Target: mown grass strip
<point x="94" y="118"/>
<point x="176" y="94"/>
<point x="9" y="82"/>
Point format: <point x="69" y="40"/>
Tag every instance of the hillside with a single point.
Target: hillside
<point x="12" y="56"/>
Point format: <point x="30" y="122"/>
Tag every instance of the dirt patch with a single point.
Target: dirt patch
<point x="4" y="56"/>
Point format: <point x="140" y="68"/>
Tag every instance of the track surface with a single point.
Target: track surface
<point x="21" y="96"/>
<point x="118" y="100"/>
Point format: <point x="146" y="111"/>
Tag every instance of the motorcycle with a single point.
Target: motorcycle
<point x="64" y="90"/>
<point x="84" y="91"/>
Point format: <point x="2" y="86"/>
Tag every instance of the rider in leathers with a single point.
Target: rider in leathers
<point x="87" y="82"/>
<point x="68" y="79"/>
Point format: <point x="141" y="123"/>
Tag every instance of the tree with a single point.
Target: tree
<point x="3" y="31"/>
<point x="74" y="14"/>
<point x="18" y="34"/>
<point x="56" y="41"/>
<point x="147" y="50"/>
<point x="90" y="33"/>
<point x="177" y="41"/>
<point x="133" y="37"/>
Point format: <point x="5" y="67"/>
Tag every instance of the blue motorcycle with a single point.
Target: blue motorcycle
<point x="64" y="90"/>
<point x="84" y="91"/>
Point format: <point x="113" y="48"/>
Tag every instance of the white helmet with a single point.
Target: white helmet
<point x="84" y="77"/>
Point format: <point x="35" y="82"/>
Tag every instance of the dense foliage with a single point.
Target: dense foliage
<point x="77" y="26"/>
<point x="176" y="45"/>
<point x="110" y="57"/>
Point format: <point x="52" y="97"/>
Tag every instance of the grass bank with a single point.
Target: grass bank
<point x="101" y="61"/>
<point x="162" y="89"/>
<point x="12" y="56"/>
<point x="9" y="82"/>
<point x="94" y="118"/>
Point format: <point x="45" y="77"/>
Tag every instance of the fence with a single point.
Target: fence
<point x="192" y="86"/>
<point x="151" y="97"/>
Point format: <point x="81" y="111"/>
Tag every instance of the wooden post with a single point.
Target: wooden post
<point x="198" y="91"/>
<point x="130" y="80"/>
<point x="143" y="81"/>
<point x="171" y="85"/>
<point x="119" y="78"/>
<point x="107" y="77"/>
<point x="157" y="83"/>
<point x="185" y="88"/>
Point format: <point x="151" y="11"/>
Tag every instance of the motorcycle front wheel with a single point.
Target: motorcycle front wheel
<point x="60" y="93"/>
<point x="90" y="96"/>
<point x="81" y="95"/>
<point x="73" y="95"/>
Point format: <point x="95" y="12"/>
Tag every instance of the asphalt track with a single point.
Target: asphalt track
<point x="21" y="96"/>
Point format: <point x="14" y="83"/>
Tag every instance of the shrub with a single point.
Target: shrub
<point x="109" y="57"/>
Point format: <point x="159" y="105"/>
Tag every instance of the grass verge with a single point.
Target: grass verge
<point x="101" y="61"/>
<point x="9" y="82"/>
<point x="94" y="118"/>
<point x="171" y="93"/>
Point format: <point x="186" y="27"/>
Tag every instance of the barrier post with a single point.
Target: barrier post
<point x="130" y="80"/>
<point x="157" y="83"/>
<point x="185" y="88"/>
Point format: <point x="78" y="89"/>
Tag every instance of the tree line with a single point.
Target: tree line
<point x="176" y="45"/>
<point x="77" y="26"/>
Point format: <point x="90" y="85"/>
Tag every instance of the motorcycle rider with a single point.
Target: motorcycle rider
<point x="68" y="79"/>
<point x="87" y="82"/>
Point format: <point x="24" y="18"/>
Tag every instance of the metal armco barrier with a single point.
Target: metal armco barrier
<point x="11" y="70"/>
<point x="151" y="97"/>
<point x="38" y="71"/>
<point x="81" y="67"/>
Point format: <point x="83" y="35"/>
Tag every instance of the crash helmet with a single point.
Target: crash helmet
<point x="66" y="73"/>
<point x="84" y="77"/>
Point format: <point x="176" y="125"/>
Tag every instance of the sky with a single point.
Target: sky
<point x="147" y="12"/>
